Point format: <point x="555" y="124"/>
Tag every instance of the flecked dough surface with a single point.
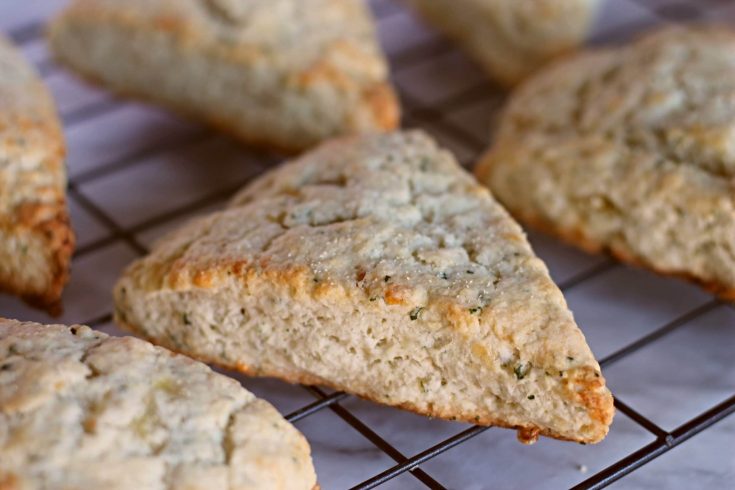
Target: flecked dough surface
<point x="276" y="73"/>
<point x="378" y="266"/>
<point x="82" y="410"/>
<point x="630" y="150"/>
<point x="36" y="239"/>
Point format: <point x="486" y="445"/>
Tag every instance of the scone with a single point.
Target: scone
<point x="511" y="38"/>
<point x="36" y="240"/>
<point x="82" y="410"/>
<point x="277" y="73"/>
<point x="630" y="150"/>
<point x="377" y="266"/>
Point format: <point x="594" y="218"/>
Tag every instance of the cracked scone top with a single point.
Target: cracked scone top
<point x="36" y="240"/>
<point x="277" y="73"/>
<point x="82" y="410"/>
<point x="377" y="266"/>
<point x="631" y="150"/>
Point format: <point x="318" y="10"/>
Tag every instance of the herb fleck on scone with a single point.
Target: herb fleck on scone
<point x="630" y="150"/>
<point x="377" y="266"/>
<point x="36" y="239"/>
<point x="277" y="73"/>
<point x="82" y="410"/>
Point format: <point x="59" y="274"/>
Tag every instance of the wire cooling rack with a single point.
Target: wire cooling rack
<point x="136" y="172"/>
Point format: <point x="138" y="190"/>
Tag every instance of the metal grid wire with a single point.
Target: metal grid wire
<point x="419" y="114"/>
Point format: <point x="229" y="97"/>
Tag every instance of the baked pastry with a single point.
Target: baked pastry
<point x="630" y="150"/>
<point x="82" y="410"/>
<point x="278" y="73"/>
<point x="36" y="240"/>
<point x="511" y="38"/>
<point x="376" y="265"/>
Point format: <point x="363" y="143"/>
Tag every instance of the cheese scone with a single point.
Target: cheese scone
<point x="277" y="73"/>
<point x="36" y="240"/>
<point x="630" y="150"/>
<point x="82" y="410"/>
<point x="511" y="38"/>
<point x="376" y="265"/>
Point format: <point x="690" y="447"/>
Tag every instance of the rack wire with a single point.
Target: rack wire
<point x="435" y="115"/>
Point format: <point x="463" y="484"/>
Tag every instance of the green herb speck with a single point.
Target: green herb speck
<point x="414" y="314"/>
<point x="185" y="319"/>
<point x="531" y="397"/>
<point x="570" y="358"/>
<point x="521" y="370"/>
<point x="422" y="385"/>
<point x="476" y="309"/>
<point x="386" y="279"/>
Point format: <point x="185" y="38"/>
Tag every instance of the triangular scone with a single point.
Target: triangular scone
<point x="36" y="240"/>
<point x="630" y="150"/>
<point x="377" y="266"/>
<point x="511" y="38"/>
<point x="82" y="410"/>
<point x="277" y="73"/>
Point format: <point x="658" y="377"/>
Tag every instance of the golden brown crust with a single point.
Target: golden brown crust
<point x="60" y="240"/>
<point x="631" y="157"/>
<point x="383" y="102"/>
<point x="578" y="239"/>
<point x="381" y="99"/>
<point x="258" y="271"/>
<point x="365" y="101"/>
<point x="8" y="482"/>
<point x="220" y="432"/>
<point x="34" y="206"/>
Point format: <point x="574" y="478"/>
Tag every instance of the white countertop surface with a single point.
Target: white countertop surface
<point x="138" y="171"/>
